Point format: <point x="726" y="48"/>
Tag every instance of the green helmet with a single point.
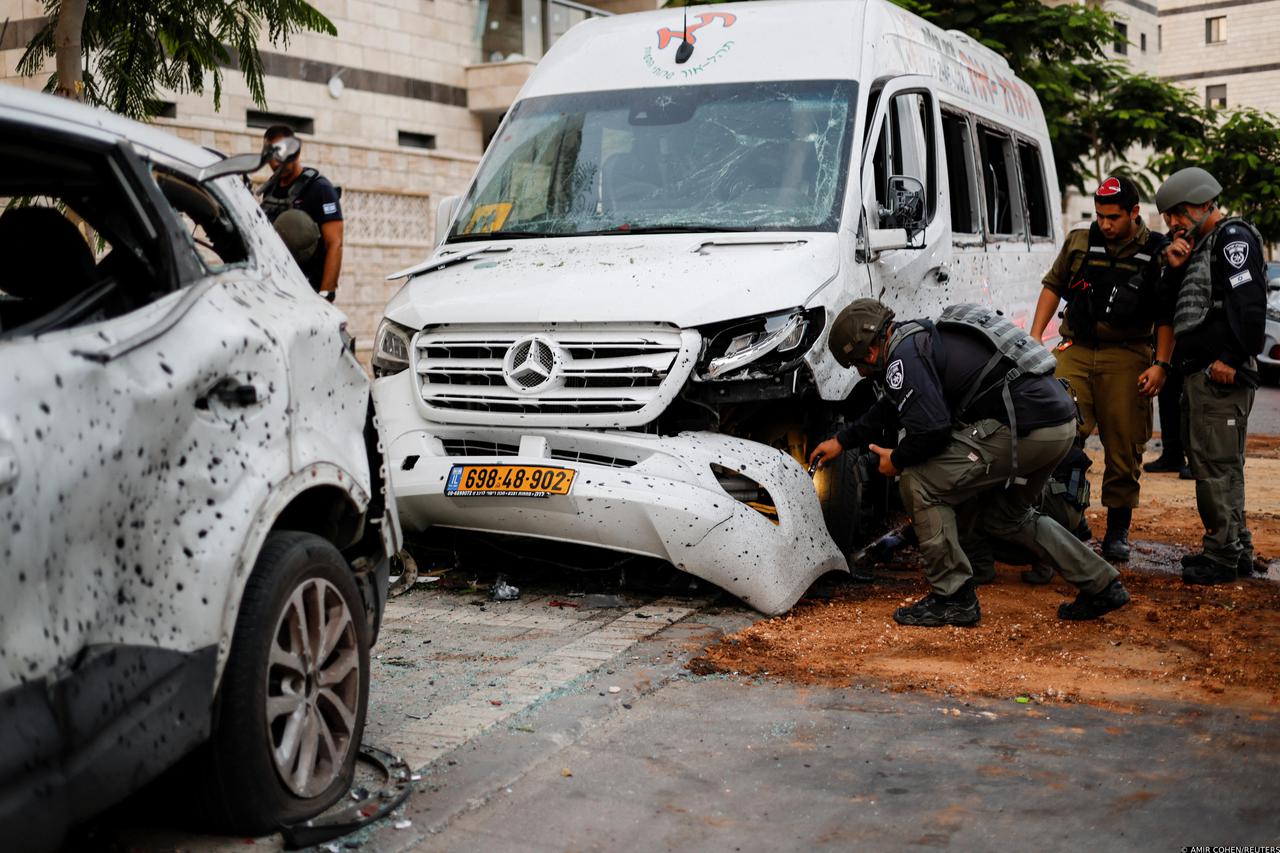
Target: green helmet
<point x="1191" y="185"/>
<point x="859" y="325"/>
<point x="299" y="232"/>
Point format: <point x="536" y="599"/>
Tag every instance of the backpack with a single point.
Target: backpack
<point x="1012" y="344"/>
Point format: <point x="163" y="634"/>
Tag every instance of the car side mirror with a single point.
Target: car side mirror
<point x="444" y="215"/>
<point x="902" y="222"/>
<point x="284" y="150"/>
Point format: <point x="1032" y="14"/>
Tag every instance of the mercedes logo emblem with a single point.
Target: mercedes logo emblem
<point x="531" y="365"/>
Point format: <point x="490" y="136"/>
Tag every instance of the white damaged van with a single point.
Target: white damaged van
<point x="621" y="339"/>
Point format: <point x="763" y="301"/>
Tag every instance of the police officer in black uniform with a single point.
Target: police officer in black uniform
<point x="977" y="452"/>
<point x="1216" y="299"/>
<point x="294" y="187"/>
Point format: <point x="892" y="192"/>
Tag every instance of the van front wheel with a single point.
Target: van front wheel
<point x="845" y="495"/>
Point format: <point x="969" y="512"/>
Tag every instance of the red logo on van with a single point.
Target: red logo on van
<point x="666" y="36"/>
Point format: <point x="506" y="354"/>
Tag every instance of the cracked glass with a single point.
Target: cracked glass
<point x="729" y="157"/>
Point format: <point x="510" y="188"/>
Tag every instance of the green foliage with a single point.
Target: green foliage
<point x="133" y="48"/>
<point x="1242" y="150"/>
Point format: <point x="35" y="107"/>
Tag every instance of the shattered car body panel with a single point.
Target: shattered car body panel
<point x="636" y="493"/>
<point x="154" y="428"/>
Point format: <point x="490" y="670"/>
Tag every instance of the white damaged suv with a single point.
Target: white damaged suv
<point x="195" y="524"/>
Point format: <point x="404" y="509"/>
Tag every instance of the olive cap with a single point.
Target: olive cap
<point x="299" y="232"/>
<point x="1191" y="185"/>
<point x="858" y="325"/>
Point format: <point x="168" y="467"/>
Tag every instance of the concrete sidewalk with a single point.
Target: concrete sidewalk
<point x="676" y="761"/>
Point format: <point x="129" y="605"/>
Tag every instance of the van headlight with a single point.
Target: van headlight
<point x="390" y="348"/>
<point x="758" y="346"/>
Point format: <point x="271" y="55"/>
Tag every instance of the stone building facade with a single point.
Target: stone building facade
<point x="1226" y="51"/>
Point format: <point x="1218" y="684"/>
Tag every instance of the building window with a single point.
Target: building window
<point x="1142" y="42"/>
<point x="1159" y="37"/>
<point x="168" y="109"/>
<point x="409" y="139"/>
<point x="1215" y="30"/>
<point x="1216" y="96"/>
<point x="1122" y="43"/>
<point x="263" y="120"/>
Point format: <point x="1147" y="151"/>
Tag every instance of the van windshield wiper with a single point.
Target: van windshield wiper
<point x="615" y="231"/>
<point x="507" y="235"/>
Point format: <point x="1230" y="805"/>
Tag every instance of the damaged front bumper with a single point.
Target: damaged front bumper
<point x="641" y="494"/>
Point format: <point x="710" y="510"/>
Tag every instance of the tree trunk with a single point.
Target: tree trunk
<point x="66" y="39"/>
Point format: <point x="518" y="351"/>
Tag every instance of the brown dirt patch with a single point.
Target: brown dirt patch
<point x="1216" y="645"/>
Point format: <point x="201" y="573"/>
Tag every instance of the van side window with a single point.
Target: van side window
<point x="1040" y="219"/>
<point x="1000" y="179"/>
<point x="962" y="178"/>
<point x="906" y="147"/>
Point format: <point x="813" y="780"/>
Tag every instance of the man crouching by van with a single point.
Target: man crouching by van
<point x="1109" y="274"/>
<point x="984" y="431"/>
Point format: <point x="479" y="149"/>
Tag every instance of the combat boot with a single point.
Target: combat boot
<point x="934" y="610"/>
<point x="1115" y="544"/>
<point x="1247" y="566"/>
<point x="1038" y="575"/>
<point x="1199" y="569"/>
<point x="1092" y="605"/>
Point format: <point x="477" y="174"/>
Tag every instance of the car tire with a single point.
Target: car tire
<point x="288" y="722"/>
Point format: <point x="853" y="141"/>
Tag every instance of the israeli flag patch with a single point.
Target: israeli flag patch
<point x="1237" y="253"/>
<point x="330" y="207"/>
<point x="1241" y="278"/>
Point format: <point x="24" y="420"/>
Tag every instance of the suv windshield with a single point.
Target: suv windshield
<point x="731" y="157"/>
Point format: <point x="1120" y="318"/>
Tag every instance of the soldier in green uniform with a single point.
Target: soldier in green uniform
<point x="1109" y="275"/>
<point x="1215" y="286"/>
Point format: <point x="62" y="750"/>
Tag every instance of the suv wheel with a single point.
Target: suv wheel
<point x="295" y="689"/>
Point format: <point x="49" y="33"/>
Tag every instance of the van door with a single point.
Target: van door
<point x="902" y="140"/>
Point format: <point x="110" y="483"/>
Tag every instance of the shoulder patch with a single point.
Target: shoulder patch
<point x="1241" y="278"/>
<point x="330" y="207"/>
<point x="1236" y="253"/>
<point x="893" y="376"/>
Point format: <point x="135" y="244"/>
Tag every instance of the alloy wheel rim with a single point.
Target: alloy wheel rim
<point x="313" y="688"/>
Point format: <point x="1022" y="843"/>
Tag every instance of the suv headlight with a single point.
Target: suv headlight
<point x="755" y="346"/>
<point x="390" y="348"/>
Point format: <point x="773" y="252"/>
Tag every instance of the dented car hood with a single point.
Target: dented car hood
<point x="684" y="279"/>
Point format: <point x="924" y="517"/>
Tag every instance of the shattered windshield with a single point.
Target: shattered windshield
<point x="741" y="156"/>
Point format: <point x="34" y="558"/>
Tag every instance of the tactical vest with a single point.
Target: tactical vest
<point x="1104" y="288"/>
<point x="1195" y="297"/>
<point x="273" y="205"/>
<point x="1025" y="355"/>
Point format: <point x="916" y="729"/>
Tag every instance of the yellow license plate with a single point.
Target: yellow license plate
<point x="521" y="481"/>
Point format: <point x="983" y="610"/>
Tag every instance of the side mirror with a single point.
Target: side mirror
<point x="284" y="150"/>
<point x="444" y="216"/>
<point x="902" y="222"/>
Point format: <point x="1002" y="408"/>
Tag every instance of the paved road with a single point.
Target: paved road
<point x="680" y="762"/>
